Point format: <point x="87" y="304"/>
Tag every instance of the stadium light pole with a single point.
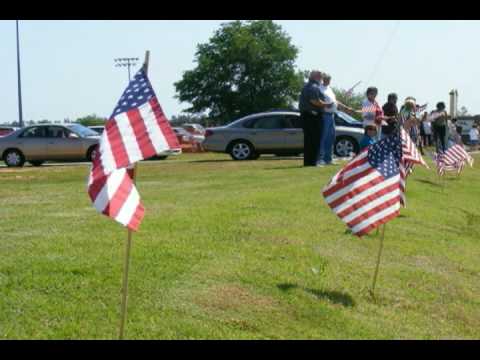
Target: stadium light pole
<point x="128" y="62"/>
<point x="20" y="114"/>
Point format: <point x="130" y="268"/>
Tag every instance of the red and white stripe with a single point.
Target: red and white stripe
<point x="453" y="159"/>
<point x="361" y="197"/>
<point x="410" y="157"/>
<point x="137" y="134"/>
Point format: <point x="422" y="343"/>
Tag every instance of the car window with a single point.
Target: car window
<point x="294" y="122"/>
<point x="57" y="132"/>
<point x="270" y="122"/>
<point x="34" y="132"/>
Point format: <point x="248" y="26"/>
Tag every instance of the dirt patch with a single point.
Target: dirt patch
<point x="227" y="297"/>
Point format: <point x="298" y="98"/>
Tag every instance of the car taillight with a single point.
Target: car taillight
<point x="208" y="133"/>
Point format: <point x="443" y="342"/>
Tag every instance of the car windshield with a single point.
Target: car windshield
<point x="82" y="130"/>
<point x="347" y="118"/>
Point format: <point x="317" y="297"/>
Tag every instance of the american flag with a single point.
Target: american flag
<point x="454" y="159"/>
<point x="410" y="157"/>
<point x="136" y="130"/>
<point x="367" y="192"/>
<point x="421" y="108"/>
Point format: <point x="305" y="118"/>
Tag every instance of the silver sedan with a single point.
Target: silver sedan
<point x="39" y="143"/>
<point x="277" y="133"/>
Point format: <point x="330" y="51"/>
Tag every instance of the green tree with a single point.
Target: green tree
<point x="246" y="67"/>
<point x="91" y="120"/>
<point x="353" y="100"/>
<point x="463" y="111"/>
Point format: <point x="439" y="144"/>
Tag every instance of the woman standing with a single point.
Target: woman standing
<point x="427" y="130"/>
<point x="439" y="121"/>
<point x="372" y="113"/>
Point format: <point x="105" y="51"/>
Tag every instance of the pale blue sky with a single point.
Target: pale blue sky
<point x="68" y="68"/>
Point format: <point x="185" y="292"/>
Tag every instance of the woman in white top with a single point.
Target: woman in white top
<point x="427" y="130"/>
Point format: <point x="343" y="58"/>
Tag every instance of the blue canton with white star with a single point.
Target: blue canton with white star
<point x="138" y="92"/>
<point x="385" y="156"/>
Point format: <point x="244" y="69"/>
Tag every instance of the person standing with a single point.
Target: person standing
<point x="427" y="130"/>
<point x="390" y="111"/>
<point x="474" y="136"/>
<point x="439" y="121"/>
<point x="327" y="139"/>
<point x="372" y="113"/>
<point x="311" y="106"/>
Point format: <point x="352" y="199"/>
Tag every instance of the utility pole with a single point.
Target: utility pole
<point x="128" y="62"/>
<point x="20" y="114"/>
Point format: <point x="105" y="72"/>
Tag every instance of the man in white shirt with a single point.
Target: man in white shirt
<point x="328" y="127"/>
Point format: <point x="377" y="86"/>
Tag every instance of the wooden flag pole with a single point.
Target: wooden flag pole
<point x="128" y="245"/>
<point x="372" y="291"/>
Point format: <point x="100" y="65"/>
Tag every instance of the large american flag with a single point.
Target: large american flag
<point x="136" y="130"/>
<point x="454" y="159"/>
<point x="368" y="191"/>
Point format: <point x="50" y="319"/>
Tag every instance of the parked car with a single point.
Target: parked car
<point x="278" y="133"/>
<point x="97" y="128"/>
<point x="196" y="130"/>
<point x="39" y="143"/>
<point x="5" y="130"/>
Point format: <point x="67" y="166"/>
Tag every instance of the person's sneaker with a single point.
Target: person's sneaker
<point x="321" y="163"/>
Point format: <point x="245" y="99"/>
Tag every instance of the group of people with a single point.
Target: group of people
<point x="318" y="104"/>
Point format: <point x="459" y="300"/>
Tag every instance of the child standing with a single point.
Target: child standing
<point x="369" y="138"/>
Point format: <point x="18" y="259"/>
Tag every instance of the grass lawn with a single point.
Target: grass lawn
<point x="235" y="250"/>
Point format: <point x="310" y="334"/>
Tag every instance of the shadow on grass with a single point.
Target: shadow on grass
<point x="284" y="167"/>
<point x="211" y="161"/>
<point x="429" y="182"/>
<point x="335" y="297"/>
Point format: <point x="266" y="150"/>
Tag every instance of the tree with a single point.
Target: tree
<point x="91" y="120"/>
<point x="463" y="111"/>
<point x="354" y="100"/>
<point x="246" y="67"/>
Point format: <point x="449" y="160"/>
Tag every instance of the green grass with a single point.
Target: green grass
<point x="235" y="250"/>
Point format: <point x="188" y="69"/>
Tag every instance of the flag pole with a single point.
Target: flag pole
<point x="128" y="244"/>
<point x="372" y="291"/>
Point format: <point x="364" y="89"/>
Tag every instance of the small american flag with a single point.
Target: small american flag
<point x="367" y="192"/>
<point x="421" y="108"/>
<point x="136" y="130"/>
<point x="454" y="159"/>
<point x="410" y="157"/>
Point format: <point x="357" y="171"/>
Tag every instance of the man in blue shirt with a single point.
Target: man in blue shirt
<point x="311" y="105"/>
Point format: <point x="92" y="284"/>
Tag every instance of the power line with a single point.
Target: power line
<point x="382" y="54"/>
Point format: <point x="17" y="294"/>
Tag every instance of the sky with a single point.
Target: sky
<point x="67" y="66"/>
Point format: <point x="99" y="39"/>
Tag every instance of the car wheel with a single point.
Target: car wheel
<point x="242" y="150"/>
<point x="345" y="145"/>
<point x="36" y="163"/>
<point x="13" y="158"/>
